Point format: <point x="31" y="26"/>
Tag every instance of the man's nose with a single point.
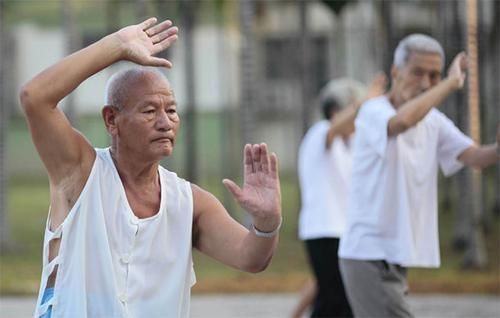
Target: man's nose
<point x="163" y="121"/>
<point x="426" y="82"/>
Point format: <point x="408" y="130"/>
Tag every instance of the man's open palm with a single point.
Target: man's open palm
<point x="142" y="41"/>
<point x="260" y="195"/>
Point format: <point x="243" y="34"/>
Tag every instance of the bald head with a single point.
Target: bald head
<point x="122" y="84"/>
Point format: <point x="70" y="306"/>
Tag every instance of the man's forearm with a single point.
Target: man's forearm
<point x="257" y="252"/>
<point x="56" y="82"/>
<point x="343" y="121"/>
<point x="413" y="111"/>
<point x="480" y="157"/>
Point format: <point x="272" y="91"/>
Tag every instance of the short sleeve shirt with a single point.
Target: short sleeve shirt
<point x="392" y="211"/>
<point x="325" y="177"/>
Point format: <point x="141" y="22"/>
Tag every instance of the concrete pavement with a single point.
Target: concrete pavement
<point x="280" y="306"/>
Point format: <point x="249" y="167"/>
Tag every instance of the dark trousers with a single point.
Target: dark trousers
<point x="331" y="299"/>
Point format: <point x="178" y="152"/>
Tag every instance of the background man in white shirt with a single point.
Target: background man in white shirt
<point x="142" y="119"/>
<point x="401" y="138"/>
<point x="325" y="177"/>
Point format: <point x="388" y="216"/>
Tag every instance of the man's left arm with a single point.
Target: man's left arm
<point x="481" y="156"/>
<point x="218" y="235"/>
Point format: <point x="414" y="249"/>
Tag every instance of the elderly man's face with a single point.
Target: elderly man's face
<point x="421" y="72"/>
<point x="148" y="123"/>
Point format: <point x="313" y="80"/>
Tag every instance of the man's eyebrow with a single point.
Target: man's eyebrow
<point x="146" y="103"/>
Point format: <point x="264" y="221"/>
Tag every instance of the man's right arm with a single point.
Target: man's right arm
<point x="414" y="110"/>
<point x="63" y="150"/>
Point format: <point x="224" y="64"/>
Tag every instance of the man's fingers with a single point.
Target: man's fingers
<point x="164" y="35"/>
<point x="157" y="61"/>
<point x="232" y="187"/>
<point x="163" y="45"/>
<point x="247" y="160"/>
<point x="148" y="23"/>
<point x="256" y="157"/>
<point x="464" y="62"/>
<point x="461" y="61"/>
<point x="264" y="158"/>
<point x="274" y="165"/>
<point x="158" y="28"/>
<point x="377" y="86"/>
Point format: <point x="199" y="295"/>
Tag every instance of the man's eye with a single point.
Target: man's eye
<point x="149" y="111"/>
<point x="435" y="76"/>
<point x="418" y="73"/>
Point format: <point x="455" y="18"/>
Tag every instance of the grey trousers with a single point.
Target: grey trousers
<point x="375" y="288"/>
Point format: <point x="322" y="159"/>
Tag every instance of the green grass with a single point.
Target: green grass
<point x="20" y="267"/>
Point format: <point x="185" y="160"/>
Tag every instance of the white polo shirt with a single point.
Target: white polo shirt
<point x="393" y="199"/>
<point x="324" y="177"/>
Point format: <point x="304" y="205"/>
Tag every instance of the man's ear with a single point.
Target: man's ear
<point x="109" y="114"/>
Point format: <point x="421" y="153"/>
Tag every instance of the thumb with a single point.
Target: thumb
<point x="156" y="61"/>
<point x="232" y="187"/>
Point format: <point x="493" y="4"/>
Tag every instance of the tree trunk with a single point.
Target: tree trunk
<point x="495" y="78"/>
<point x="187" y="11"/>
<point x="72" y="44"/>
<point x="5" y="237"/>
<point x="141" y="9"/>
<point x="453" y="41"/>
<point x="224" y="12"/>
<point x="447" y="186"/>
<point x="112" y="16"/>
<point x="248" y="66"/>
<point x="488" y="118"/>
<point x="475" y="254"/>
<point x="248" y="76"/>
<point x="388" y="37"/>
<point x="305" y="66"/>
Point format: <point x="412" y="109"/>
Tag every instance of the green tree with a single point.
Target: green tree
<point x="5" y="238"/>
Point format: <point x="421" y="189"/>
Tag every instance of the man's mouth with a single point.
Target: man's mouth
<point x="163" y="140"/>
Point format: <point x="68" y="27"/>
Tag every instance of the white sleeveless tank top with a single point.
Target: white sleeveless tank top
<point x="113" y="264"/>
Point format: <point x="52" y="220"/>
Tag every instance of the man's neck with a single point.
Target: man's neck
<point x="134" y="170"/>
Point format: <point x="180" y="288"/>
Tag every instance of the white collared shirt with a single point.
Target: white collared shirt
<point x="392" y="212"/>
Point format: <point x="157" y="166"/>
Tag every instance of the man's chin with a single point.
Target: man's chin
<point x="165" y="152"/>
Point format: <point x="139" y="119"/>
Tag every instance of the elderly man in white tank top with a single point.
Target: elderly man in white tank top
<point x="121" y="228"/>
<point x="400" y="141"/>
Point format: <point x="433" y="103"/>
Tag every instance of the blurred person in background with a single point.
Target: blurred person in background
<point x="324" y="168"/>
<point x="121" y="228"/>
<point x="401" y="139"/>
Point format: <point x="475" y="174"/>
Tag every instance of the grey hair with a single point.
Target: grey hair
<point x="118" y="84"/>
<point x="343" y="90"/>
<point x="416" y="43"/>
<point x="338" y="94"/>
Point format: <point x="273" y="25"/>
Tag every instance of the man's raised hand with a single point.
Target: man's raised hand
<point x="457" y="68"/>
<point x="141" y="41"/>
<point x="260" y="195"/>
